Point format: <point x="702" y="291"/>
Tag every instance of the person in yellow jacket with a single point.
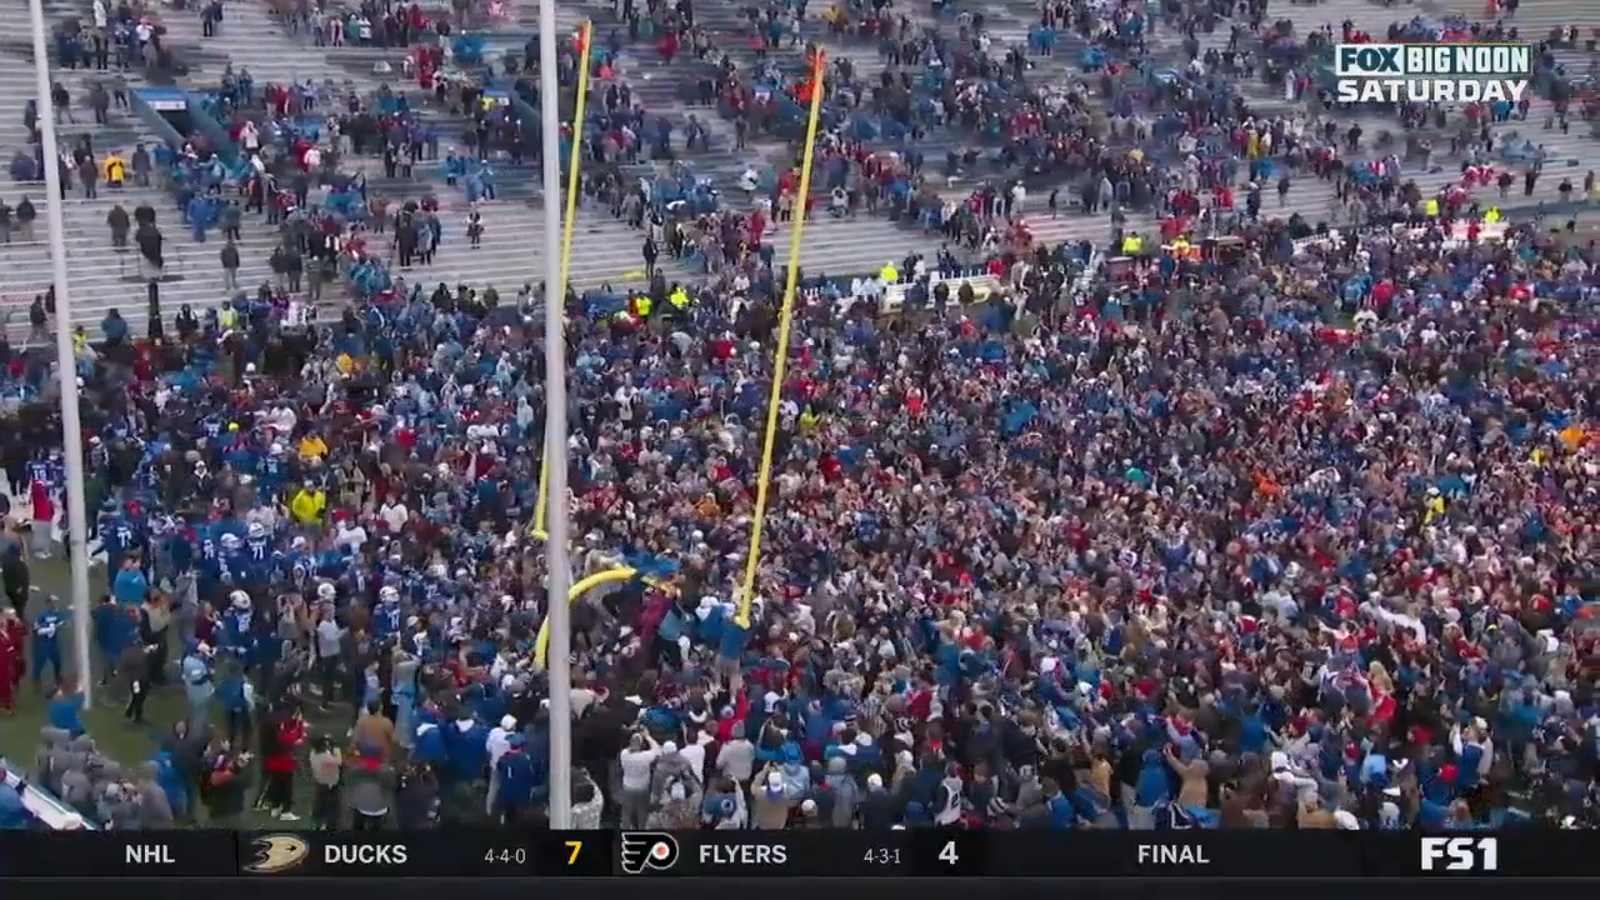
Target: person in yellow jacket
<point x="308" y="505"/>
<point x="889" y="274"/>
<point x="313" y="448"/>
<point x="1492" y="216"/>
<point x="114" y="171"/>
<point x="1433" y="506"/>
<point x="1432" y="207"/>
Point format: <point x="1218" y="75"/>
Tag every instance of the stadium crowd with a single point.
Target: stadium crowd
<point x="1290" y="528"/>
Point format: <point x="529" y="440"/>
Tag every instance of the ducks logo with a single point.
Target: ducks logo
<point x="277" y="853"/>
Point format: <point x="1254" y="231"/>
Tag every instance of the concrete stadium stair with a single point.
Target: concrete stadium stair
<point x="99" y="277"/>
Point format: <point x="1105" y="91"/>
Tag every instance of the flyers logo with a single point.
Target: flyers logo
<point x="278" y="853"/>
<point x="643" y="850"/>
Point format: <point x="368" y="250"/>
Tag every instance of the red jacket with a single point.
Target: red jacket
<point x="18" y="633"/>
<point x="291" y="734"/>
<point x="43" y="509"/>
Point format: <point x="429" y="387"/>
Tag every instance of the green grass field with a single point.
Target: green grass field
<point x="114" y="735"/>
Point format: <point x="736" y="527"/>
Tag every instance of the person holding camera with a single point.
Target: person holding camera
<point x="222" y="787"/>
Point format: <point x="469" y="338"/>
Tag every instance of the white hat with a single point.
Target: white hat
<point x="809" y="807"/>
<point x="508" y="723"/>
<point x="775" y="779"/>
<point x="1346" y="820"/>
<point x="874" y="780"/>
<point x="669" y="748"/>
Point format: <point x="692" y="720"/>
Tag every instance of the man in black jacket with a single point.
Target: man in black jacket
<point x="149" y="239"/>
<point x="119" y="222"/>
<point x="15" y="571"/>
<point x="230" y="265"/>
<point x="133" y="671"/>
<point x="26" y="214"/>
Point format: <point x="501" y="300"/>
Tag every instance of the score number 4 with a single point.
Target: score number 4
<point x="959" y="858"/>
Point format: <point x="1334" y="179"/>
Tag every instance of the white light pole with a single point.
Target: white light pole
<point x="66" y="361"/>
<point x="555" y="434"/>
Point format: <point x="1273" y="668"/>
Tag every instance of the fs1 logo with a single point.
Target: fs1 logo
<point x="1460" y="854"/>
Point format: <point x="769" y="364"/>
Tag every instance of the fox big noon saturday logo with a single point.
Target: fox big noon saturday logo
<point x="1432" y="73"/>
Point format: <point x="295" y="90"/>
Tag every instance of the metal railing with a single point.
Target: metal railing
<point x="132" y="265"/>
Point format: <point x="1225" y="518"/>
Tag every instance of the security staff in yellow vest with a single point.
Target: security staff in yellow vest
<point x="889" y="274"/>
<point x="1492" y="216"/>
<point x="80" y="341"/>
<point x="1132" y="245"/>
<point x="679" y="299"/>
<point x="308" y="504"/>
<point x="1432" y="207"/>
<point x="642" y="307"/>
<point x="227" y="316"/>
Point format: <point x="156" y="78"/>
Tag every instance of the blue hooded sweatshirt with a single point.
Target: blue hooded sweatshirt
<point x="66" y="712"/>
<point x="430" y="746"/>
<point x="1154" y="786"/>
<point x="112" y="629"/>
<point x="467" y="744"/>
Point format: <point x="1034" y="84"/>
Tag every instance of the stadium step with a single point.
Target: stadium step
<point x="605" y="250"/>
<point x="99" y="277"/>
<point x="254" y="40"/>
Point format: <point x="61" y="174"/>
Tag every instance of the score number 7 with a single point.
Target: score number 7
<point x="575" y="847"/>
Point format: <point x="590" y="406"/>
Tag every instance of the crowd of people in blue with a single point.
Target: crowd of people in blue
<point x="1293" y="529"/>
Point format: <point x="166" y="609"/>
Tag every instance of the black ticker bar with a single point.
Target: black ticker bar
<point x="1275" y="854"/>
<point x="455" y="852"/>
<point x="824" y="853"/>
<point x="1111" y="854"/>
<point x="63" y="854"/>
<point x="464" y="852"/>
<point x="1523" y="853"/>
<point x="578" y="853"/>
